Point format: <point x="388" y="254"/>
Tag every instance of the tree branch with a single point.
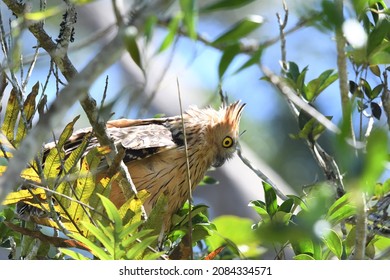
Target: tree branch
<point x="342" y="69"/>
<point x="323" y="159"/>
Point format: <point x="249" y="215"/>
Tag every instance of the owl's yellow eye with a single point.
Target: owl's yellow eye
<point x="227" y="142"/>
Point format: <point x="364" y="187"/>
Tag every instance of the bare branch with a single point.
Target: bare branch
<point x="260" y="174"/>
<point x="282" y="26"/>
<point x="342" y="70"/>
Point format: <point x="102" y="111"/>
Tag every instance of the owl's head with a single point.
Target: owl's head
<point x="224" y="132"/>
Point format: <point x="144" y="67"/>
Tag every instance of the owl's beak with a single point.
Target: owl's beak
<point x="219" y="161"/>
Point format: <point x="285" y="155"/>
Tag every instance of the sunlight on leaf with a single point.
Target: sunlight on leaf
<point x="239" y="30"/>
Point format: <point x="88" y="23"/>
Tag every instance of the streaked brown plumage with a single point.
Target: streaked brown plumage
<point x="155" y="151"/>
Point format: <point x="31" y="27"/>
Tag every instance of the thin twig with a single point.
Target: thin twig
<point x="30" y="69"/>
<point x="34" y="249"/>
<point x="282" y="35"/>
<point x="260" y="174"/>
<point x="188" y="172"/>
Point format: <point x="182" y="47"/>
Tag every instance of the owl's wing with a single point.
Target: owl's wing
<point x="142" y="141"/>
<point x="140" y="138"/>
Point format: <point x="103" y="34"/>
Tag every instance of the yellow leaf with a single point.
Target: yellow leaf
<point x="2" y="169"/>
<point x="6" y="154"/>
<point x="23" y="195"/>
<point x="49" y="12"/>
<point x="10" y="118"/>
<point x="133" y="206"/>
<point x="31" y="175"/>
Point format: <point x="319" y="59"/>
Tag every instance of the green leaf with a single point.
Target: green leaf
<point x="135" y="236"/>
<point x="103" y="237"/>
<point x="152" y="255"/>
<point x="355" y="90"/>
<point x="254" y="59"/>
<point x="95" y="250"/>
<point x="102" y="187"/>
<point x="300" y="82"/>
<point x="304" y="118"/>
<point x="375" y="160"/>
<point x="225" y="4"/>
<point x="208" y="180"/>
<point x="241" y="235"/>
<point x="382" y="189"/>
<point x="298" y="201"/>
<point x="239" y="30"/>
<point x="341" y="209"/>
<point x="196" y="213"/>
<point x="305" y="257"/>
<point x="376" y="91"/>
<point x="270" y="199"/>
<point x="286" y="206"/>
<point x="202" y="231"/>
<point x="112" y="213"/>
<point x="149" y="26"/>
<point x="382" y="57"/>
<point x="260" y="208"/>
<point x="303" y="245"/>
<point x="172" y="30"/>
<point x="310" y="127"/>
<point x="349" y="243"/>
<point x="130" y="228"/>
<point x="359" y="6"/>
<point x="376" y="110"/>
<point x="294" y="77"/>
<point x="375" y="70"/>
<point x="365" y="86"/>
<point x="376" y="37"/>
<point x="292" y="71"/>
<point x="227" y="57"/>
<point x="138" y="249"/>
<point x="130" y="38"/>
<point x="333" y="242"/>
<point x="332" y="16"/>
<point x="316" y="86"/>
<point x="281" y="218"/>
<point x="190" y="17"/>
<point x="74" y="255"/>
